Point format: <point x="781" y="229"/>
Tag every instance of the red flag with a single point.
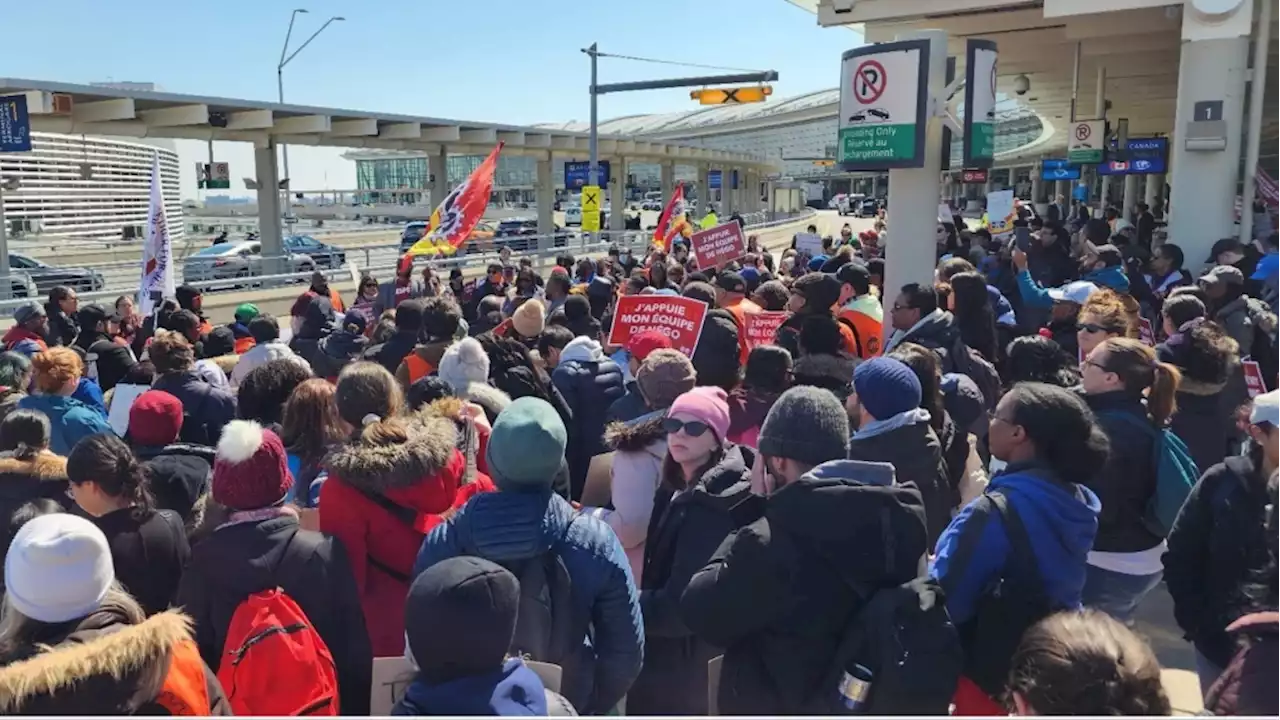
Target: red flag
<point x="453" y="220"/>
<point x="672" y="221"/>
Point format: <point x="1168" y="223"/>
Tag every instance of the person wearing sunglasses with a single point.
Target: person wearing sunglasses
<point x="703" y="476"/>
<point x="1103" y="315"/>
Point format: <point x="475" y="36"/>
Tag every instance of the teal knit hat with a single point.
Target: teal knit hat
<point x="526" y="446"/>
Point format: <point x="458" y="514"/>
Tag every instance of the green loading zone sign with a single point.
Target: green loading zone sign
<point x="883" y="106"/>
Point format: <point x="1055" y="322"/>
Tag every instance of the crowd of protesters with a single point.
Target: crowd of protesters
<point x="470" y="475"/>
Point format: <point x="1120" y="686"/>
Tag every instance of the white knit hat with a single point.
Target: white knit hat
<point x="58" y="568"/>
<point x="465" y="362"/>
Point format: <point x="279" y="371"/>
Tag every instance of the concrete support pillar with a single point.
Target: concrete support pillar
<point x="618" y="195"/>
<point x="1104" y="193"/>
<point x="1036" y="188"/>
<point x="729" y="192"/>
<point x="268" y="174"/>
<point x="1130" y="196"/>
<point x="704" y="190"/>
<point x="1155" y="188"/>
<point x="668" y="180"/>
<point x="438" y="174"/>
<point x="546" y="193"/>
<point x="1063" y="188"/>
<point x="1212" y="69"/>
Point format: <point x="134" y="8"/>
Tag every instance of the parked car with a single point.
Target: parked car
<point x="573" y="216"/>
<point x="516" y="232"/>
<point x="411" y="234"/>
<point x="480" y="240"/>
<point x="868" y="208"/>
<point x="233" y="261"/>
<point x="45" y="277"/>
<point x="324" y="254"/>
<point x="836" y="201"/>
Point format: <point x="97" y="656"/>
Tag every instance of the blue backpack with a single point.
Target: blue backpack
<point x="1176" y="474"/>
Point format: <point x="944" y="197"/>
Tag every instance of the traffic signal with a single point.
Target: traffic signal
<point x="731" y="96"/>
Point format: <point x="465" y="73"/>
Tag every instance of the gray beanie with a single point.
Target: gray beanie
<point x="806" y="424"/>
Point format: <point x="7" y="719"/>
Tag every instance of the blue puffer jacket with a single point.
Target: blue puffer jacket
<point x="590" y="383"/>
<point x="1061" y="521"/>
<point x="512" y="526"/>
<point x="1033" y="295"/>
<point x="70" y="420"/>
<point x="206" y="409"/>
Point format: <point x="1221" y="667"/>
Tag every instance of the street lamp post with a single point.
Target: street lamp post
<point x="286" y="57"/>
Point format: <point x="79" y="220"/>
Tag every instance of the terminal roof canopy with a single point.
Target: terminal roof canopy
<point x="124" y="112"/>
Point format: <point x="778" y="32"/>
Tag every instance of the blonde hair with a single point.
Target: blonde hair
<point x="1115" y="314"/>
<point x="56" y="367"/>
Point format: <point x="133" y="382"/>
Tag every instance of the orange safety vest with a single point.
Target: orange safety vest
<point x="244" y="345"/>
<point x="868" y="332"/>
<point x="739" y="311"/>
<point x="185" y="691"/>
<point x="418" y="368"/>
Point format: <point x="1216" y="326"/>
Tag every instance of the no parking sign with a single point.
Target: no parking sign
<point x="882" y="106"/>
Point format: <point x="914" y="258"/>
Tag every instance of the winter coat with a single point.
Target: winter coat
<point x="105" y="360"/>
<point x="1061" y="520"/>
<point x="936" y="331"/>
<point x="103" y="665"/>
<point x="1128" y="479"/>
<point x="788" y="334"/>
<point x="1248" y="685"/>
<point x="205" y="409"/>
<point x="829" y="372"/>
<point x="685" y="530"/>
<point x="63" y="328"/>
<point x="518" y="382"/>
<point x="426" y="358"/>
<point x="392" y="352"/>
<point x="1217" y="546"/>
<point x="244" y="340"/>
<point x="242" y="558"/>
<point x="70" y="420"/>
<point x="179" y="478"/>
<point x="262" y="354"/>
<point x="24" y="342"/>
<point x="1205" y="420"/>
<point x="916" y="456"/>
<point x="589" y="382"/>
<point x="1051" y="266"/>
<point x="639" y="447"/>
<point x="337" y="351"/>
<point x="421" y="475"/>
<point x="954" y="444"/>
<point x="1239" y="318"/>
<point x="513" y="690"/>
<point x="747" y="410"/>
<point x="780" y="590"/>
<point x="149" y="552"/>
<point x="517" y="526"/>
<point x="1035" y="296"/>
<point x="628" y="407"/>
<point x="40" y="477"/>
<point x="716" y="358"/>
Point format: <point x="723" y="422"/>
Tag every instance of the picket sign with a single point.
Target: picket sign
<point x="1253" y="380"/>
<point x="762" y="327"/>
<point x="809" y="244"/>
<point x="718" y="246"/>
<point x="679" y="318"/>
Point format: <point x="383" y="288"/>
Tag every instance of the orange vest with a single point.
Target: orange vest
<point x="244" y="345"/>
<point x="185" y="691"/>
<point x="868" y="331"/>
<point x="739" y="311"/>
<point x="418" y="368"/>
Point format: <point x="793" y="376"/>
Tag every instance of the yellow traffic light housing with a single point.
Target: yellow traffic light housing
<point x="731" y="96"/>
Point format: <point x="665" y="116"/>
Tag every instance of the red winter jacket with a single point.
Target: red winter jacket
<point x="424" y="475"/>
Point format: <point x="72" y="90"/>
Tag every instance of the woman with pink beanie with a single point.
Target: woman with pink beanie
<point x="703" y="477"/>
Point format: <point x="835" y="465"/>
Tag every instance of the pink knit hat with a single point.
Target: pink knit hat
<point x="708" y="404"/>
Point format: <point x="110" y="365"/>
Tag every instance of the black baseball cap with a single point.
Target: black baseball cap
<point x="92" y="314"/>
<point x="1224" y="245"/>
<point x="855" y="274"/>
<point x="731" y="282"/>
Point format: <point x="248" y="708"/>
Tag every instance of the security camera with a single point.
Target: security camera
<point x="1022" y="84"/>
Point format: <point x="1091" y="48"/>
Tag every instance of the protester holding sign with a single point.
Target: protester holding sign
<point x="680" y="319"/>
<point x="731" y="296"/>
<point x="718" y="246"/>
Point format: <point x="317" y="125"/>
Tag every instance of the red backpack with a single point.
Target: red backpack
<point x="270" y="639"/>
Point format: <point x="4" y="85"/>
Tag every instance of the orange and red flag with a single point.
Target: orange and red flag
<point x="672" y="222"/>
<point x="453" y="219"/>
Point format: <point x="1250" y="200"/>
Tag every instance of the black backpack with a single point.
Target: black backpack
<point x="965" y="360"/>
<point x="904" y="637"/>
<point x="1012" y="602"/>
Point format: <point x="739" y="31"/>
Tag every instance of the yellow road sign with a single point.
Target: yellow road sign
<point x="824" y="163"/>
<point x="590" y="199"/>
<point x="590" y="220"/>
<point x="731" y="96"/>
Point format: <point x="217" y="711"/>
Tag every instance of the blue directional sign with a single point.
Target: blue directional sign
<point x="1147" y="156"/>
<point x="15" y="124"/>
<point x="1058" y="169"/>
<point x="733" y="179"/>
<point x="714" y="180"/>
<point x="575" y="174"/>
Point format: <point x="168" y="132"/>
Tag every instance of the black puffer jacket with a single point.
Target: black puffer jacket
<point x="829" y="372"/>
<point x="336" y="352"/>
<point x="916" y="456"/>
<point x="1218" y="545"/>
<point x="243" y="558"/>
<point x="779" y="591"/>
<point x="1205" y="420"/>
<point x="717" y="359"/>
<point x="105" y="360"/>
<point x="179" y="478"/>
<point x="684" y="532"/>
<point x="63" y="328"/>
<point x="392" y="352"/>
<point x="589" y="382"/>
<point x="1128" y="480"/>
<point x="205" y="409"/>
<point x="40" y="476"/>
<point x="316" y="324"/>
<point x="149" y="551"/>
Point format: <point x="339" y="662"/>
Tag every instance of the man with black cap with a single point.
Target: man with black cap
<point x="105" y="360"/>
<point x="860" y="308"/>
<point x="1230" y="251"/>
<point x="460" y="621"/>
<point x="731" y="295"/>
<point x="813" y="294"/>
<point x="819" y="534"/>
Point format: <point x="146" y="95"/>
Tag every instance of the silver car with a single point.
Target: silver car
<point x="232" y="261"/>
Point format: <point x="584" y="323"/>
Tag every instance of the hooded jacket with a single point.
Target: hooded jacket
<point x="21" y="340"/>
<point x="937" y="330"/>
<point x="1217" y="546"/>
<point x="336" y="351"/>
<point x="780" y="590"/>
<point x="105" y="360"/>
<point x="70" y="420"/>
<point x="180" y="476"/>
<point x="513" y="690"/>
<point x="747" y="410"/>
<point x="916" y="456"/>
<point x="589" y="382"/>
<point x="42" y="476"/>
<point x="1061" y="520"/>
<point x="1205" y="417"/>
<point x="1128" y="479"/>
<point x="1035" y="296"/>
<point x="242" y="558"/>
<point x="685" y="530"/>
<point x="829" y="372"/>
<point x="421" y="475"/>
<point x="102" y="665"/>
<point x="244" y="340"/>
<point x="149" y="551"/>
<point x="205" y="409"/>
<point x="716" y="358"/>
<point x="1239" y="318"/>
<point x="262" y="354"/>
<point x="639" y="447"/>
<point x="516" y="526"/>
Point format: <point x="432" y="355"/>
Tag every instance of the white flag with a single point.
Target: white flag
<point x="157" y="249"/>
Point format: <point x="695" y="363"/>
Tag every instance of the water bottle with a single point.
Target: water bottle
<point x="855" y="688"/>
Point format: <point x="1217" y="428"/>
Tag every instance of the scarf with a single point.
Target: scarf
<point x="239" y="517"/>
<point x="913" y="416"/>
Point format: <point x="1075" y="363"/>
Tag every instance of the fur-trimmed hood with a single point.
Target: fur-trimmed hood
<point x="101" y="663"/>
<point x="44" y="466"/>
<point x="636" y="435"/>
<point x="379" y="468"/>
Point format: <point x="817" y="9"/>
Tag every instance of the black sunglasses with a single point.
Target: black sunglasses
<point x="692" y="428"/>
<point x="1090" y="327"/>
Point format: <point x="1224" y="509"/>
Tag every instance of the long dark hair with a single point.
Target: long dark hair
<point x="974" y="315"/>
<point x="928" y="370"/>
<point x="107" y="460"/>
<point x="24" y="433"/>
<point x="1061" y="428"/>
<point x="310" y="424"/>
<point x="507" y="355"/>
<point x="673" y="474"/>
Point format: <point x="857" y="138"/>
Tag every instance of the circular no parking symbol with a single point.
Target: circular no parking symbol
<point x="1082" y="132"/>
<point x="868" y="81"/>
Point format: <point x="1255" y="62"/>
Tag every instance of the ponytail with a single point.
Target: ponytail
<point x="1141" y="371"/>
<point x="1162" y="399"/>
<point x="106" y="460"/>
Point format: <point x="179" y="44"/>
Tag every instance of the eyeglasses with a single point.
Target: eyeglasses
<point x="899" y="308"/>
<point x="692" y="428"/>
<point x="1093" y="328"/>
<point x="1096" y="364"/>
<point x="993" y="416"/>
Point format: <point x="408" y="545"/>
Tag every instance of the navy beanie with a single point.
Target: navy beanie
<point x="886" y="387"/>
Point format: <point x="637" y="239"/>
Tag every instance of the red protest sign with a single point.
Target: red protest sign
<point x="1146" y="333"/>
<point x="1253" y="378"/>
<point x="679" y="318"/>
<point x="718" y="246"/>
<point x="762" y="327"/>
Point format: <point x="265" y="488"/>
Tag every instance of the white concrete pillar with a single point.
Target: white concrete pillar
<point x="1036" y="187"/>
<point x="438" y="174"/>
<point x="1212" y="69"/>
<point x="1104" y="194"/>
<point x="1130" y="196"/>
<point x="667" y="180"/>
<point x="268" y="174"/>
<point x="545" y="190"/>
<point x="618" y="195"/>
<point x="704" y="190"/>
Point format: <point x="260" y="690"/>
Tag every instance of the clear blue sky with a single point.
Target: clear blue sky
<point x="499" y="60"/>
